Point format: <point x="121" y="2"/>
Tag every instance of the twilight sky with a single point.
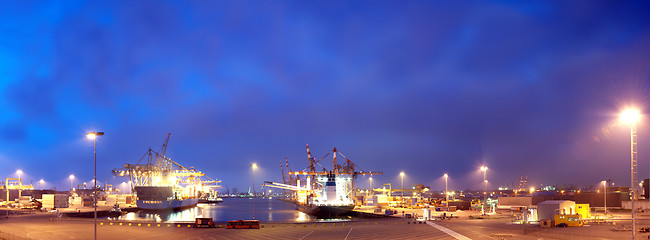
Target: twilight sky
<point x="528" y="88"/>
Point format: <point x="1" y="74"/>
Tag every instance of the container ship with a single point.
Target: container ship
<point x="322" y="193"/>
<point x="162" y="198"/>
<point x="163" y="184"/>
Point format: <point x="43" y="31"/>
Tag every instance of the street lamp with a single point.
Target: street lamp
<point x="40" y="182"/>
<point x="370" y="179"/>
<point x="71" y="178"/>
<point x="446" y="192"/>
<point x="484" y="169"/>
<point x="605" y="195"/>
<point x="253" y="167"/>
<point x="93" y="136"/>
<point x="401" y="174"/>
<point x="20" y="182"/>
<point x="631" y="117"/>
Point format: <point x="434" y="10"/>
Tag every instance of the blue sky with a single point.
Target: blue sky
<point x="426" y="87"/>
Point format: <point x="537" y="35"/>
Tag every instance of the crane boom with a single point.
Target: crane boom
<point x="284" y="175"/>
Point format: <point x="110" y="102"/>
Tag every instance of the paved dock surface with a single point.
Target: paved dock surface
<point x="42" y="226"/>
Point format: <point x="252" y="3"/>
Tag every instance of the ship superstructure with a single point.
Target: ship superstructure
<point x="161" y="183"/>
<point x="322" y="193"/>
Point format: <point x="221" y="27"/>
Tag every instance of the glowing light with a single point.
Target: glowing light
<point x="401" y="174"/>
<point x="484" y="168"/>
<point x="446" y="176"/>
<point x="42" y="181"/>
<point x="532" y="189"/>
<point x="254" y="165"/>
<point x="91" y="136"/>
<point x="630" y="116"/>
<point x="19" y="172"/>
<point x="71" y="177"/>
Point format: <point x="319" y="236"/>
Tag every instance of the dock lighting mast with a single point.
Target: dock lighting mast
<point x="605" y="194"/>
<point x="631" y="117"/>
<point x="484" y="169"/>
<point x="20" y="182"/>
<point x="402" y="175"/>
<point x="93" y="136"/>
<point x="370" y="179"/>
<point x="71" y="178"/>
<point x="253" y="167"/>
<point x="446" y="192"/>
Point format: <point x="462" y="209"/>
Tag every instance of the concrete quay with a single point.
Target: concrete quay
<point x="47" y="226"/>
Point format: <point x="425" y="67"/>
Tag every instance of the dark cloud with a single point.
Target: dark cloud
<point x="422" y="87"/>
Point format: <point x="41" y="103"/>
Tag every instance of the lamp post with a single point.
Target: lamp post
<point x="253" y="167"/>
<point x="93" y="136"/>
<point x="605" y="195"/>
<point x="40" y="182"/>
<point x="401" y="174"/>
<point x="484" y="169"/>
<point x="370" y="179"/>
<point x="71" y="178"/>
<point x="631" y="117"/>
<point x="446" y="192"/>
<point x="20" y="182"/>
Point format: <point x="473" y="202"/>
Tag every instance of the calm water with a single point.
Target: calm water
<point x="231" y="209"/>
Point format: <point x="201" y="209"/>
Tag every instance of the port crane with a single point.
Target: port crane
<point x="156" y="169"/>
<point x="292" y="179"/>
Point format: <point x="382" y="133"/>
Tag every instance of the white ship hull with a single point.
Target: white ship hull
<point x="167" y="204"/>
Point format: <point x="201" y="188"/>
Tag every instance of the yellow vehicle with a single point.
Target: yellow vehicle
<point x="572" y="220"/>
<point x="583" y="210"/>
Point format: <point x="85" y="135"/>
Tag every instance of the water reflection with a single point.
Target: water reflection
<point x="231" y="209"/>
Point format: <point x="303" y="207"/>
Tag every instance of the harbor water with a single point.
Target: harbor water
<point x="266" y="210"/>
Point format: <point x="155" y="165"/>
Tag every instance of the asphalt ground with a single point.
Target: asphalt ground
<point x="46" y="226"/>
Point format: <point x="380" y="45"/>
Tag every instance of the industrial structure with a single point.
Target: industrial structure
<point x="324" y="192"/>
<point x="160" y="182"/>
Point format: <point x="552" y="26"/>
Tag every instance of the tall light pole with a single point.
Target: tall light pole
<point x="20" y="182"/>
<point x="605" y="195"/>
<point x="370" y="179"/>
<point x="484" y="169"/>
<point x="40" y="182"/>
<point x="402" y="175"/>
<point x="93" y="136"/>
<point x="253" y="167"/>
<point x="631" y="117"/>
<point x="71" y="178"/>
<point x="446" y="192"/>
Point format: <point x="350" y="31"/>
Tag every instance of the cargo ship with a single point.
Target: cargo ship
<point x="163" y="184"/>
<point x="162" y="198"/>
<point x="327" y="201"/>
<point x="324" y="193"/>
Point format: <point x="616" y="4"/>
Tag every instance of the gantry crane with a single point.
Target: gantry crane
<point x="159" y="170"/>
